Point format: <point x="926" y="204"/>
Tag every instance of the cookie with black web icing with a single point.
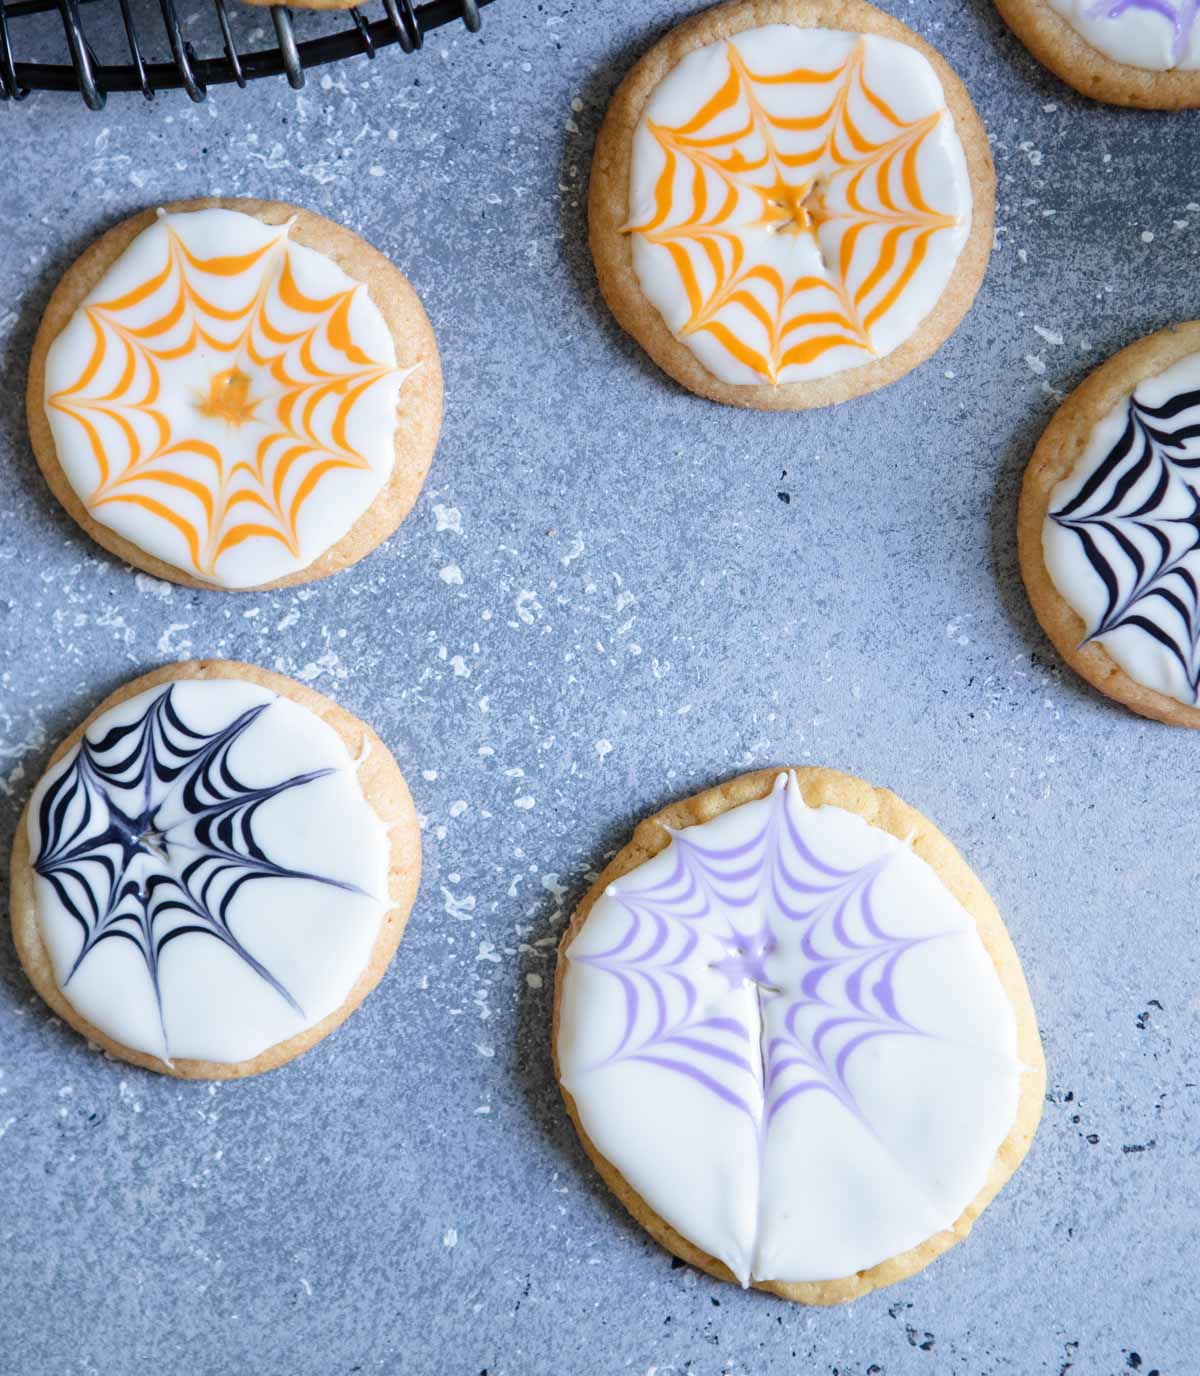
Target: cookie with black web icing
<point x="1109" y="527"/>
<point x="214" y="871"/>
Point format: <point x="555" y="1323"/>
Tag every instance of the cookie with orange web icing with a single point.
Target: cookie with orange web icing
<point x="791" y="202"/>
<point x="235" y="394"/>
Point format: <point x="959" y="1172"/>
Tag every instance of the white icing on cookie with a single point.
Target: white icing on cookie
<point x="1121" y="539"/>
<point x="786" y="1034"/>
<point x="225" y="399"/>
<point x="798" y="201"/>
<point x="1157" y="35"/>
<point x="209" y="878"/>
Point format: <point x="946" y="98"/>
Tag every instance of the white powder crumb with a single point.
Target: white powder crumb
<point x="526" y="604"/>
<point x="167" y="645"/>
<point x="487" y="951"/>
<point x="375" y="170"/>
<point x="1035" y="364"/>
<point x="155" y="587"/>
<point x="576" y="104"/>
<point x="1147" y="236"/>
<point x="289" y="620"/>
<point x="462" y="908"/>
<point x="459" y="665"/>
<point x="448" y="518"/>
<point x="1050" y="336"/>
<point x="452" y="575"/>
<point x="487" y="1052"/>
<point x="526" y="802"/>
<point x="1180" y="224"/>
<point x="533" y="980"/>
<point x="429" y="775"/>
<point x="603" y="748"/>
<point x="950" y="373"/>
<point x="450" y="1237"/>
<point x="458" y="807"/>
<point x="1023" y="255"/>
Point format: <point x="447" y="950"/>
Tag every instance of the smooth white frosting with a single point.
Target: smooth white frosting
<point x="885" y="1147"/>
<point x="733" y="212"/>
<point x="1139" y="35"/>
<point x="145" y="398"/>
<point x="312" y="938"/>
<point x="1153" y="503"/>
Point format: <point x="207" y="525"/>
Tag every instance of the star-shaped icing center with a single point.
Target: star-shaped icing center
<point x="229" y="398"/>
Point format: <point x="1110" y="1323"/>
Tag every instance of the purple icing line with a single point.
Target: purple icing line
<point x="844" y="997"/>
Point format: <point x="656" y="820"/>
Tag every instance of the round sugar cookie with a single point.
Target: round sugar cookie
<point x="235" y="394"/>
<point x="794" y="1036"/>
<point x="1144" y="53"/>
<point x="1109" y="527"/>
<point x="214" y="871"/>
<point x="791" y="202"/>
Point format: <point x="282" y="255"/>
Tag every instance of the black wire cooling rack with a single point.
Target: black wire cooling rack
<point x="403" y="22"/>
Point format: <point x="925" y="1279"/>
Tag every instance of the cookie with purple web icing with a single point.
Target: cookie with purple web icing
<point x="214" y="871"/>
<point x="1144" y="53"/>
<point x="794" y="1036"/>
<point x="1109" y="527"/>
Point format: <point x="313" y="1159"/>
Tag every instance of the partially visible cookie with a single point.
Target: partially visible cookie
<point x="794" y="1036"/>
<point x="791" y="202"/>
<point x="1109" y="527"/>
<point x="1144" y="53"/>
<point x="235" y="394"/>
<point x="214" y="871"/>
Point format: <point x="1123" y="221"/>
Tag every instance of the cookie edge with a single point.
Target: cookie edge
<point x="387" y="794"/>
<point x="1052" y="41"/>
<point x="881" y="808"/>
<point x="419" y="419"/>
<point x="608" y="207"/>
<point x="1053" y="458"/>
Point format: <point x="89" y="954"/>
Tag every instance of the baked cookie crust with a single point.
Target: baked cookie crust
<point x="1066" y="53"/>
<point x="382" y="785"/>
<point x="608" y="206"/>
<point x="883" y="809"/>
<point x="1054" y="457"/>
<point x="419" y="417"/>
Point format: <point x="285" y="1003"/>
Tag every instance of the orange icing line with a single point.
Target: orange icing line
<point x="290" y="419"/>
<point x="704" y="240"/>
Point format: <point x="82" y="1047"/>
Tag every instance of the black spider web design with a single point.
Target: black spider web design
<point x="122" y="876"/>
<point x="1137" y="518"/>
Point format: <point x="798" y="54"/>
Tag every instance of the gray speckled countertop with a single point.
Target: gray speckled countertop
<point x="611" y="594"/>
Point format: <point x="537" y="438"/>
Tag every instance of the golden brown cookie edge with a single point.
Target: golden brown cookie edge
<point x="386" y="792"/>
<point x="418" y="421"/>
<point x="1061" y="49"/>
<point x="608" y="206"/>
<point x="1053" y="458"/>
<point x="882" y="808"/>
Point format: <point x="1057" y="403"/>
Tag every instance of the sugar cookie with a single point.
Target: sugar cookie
<point x="794" y="1036"/>
<point x="235" y="394"/>
<point x="214" y="871"/>
<point x="1109" y="527"/>
<point x="1144" y="53"/>
<point x="791" y="202"/>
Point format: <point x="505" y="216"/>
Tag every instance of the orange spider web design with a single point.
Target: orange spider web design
<point x="829" y="173"/>
<point x="220" y="495"/>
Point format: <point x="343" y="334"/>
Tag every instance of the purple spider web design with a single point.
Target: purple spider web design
<point x="800" y="1032"/>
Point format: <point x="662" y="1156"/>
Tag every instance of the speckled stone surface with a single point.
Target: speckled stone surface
<point x="611" y="594"/>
